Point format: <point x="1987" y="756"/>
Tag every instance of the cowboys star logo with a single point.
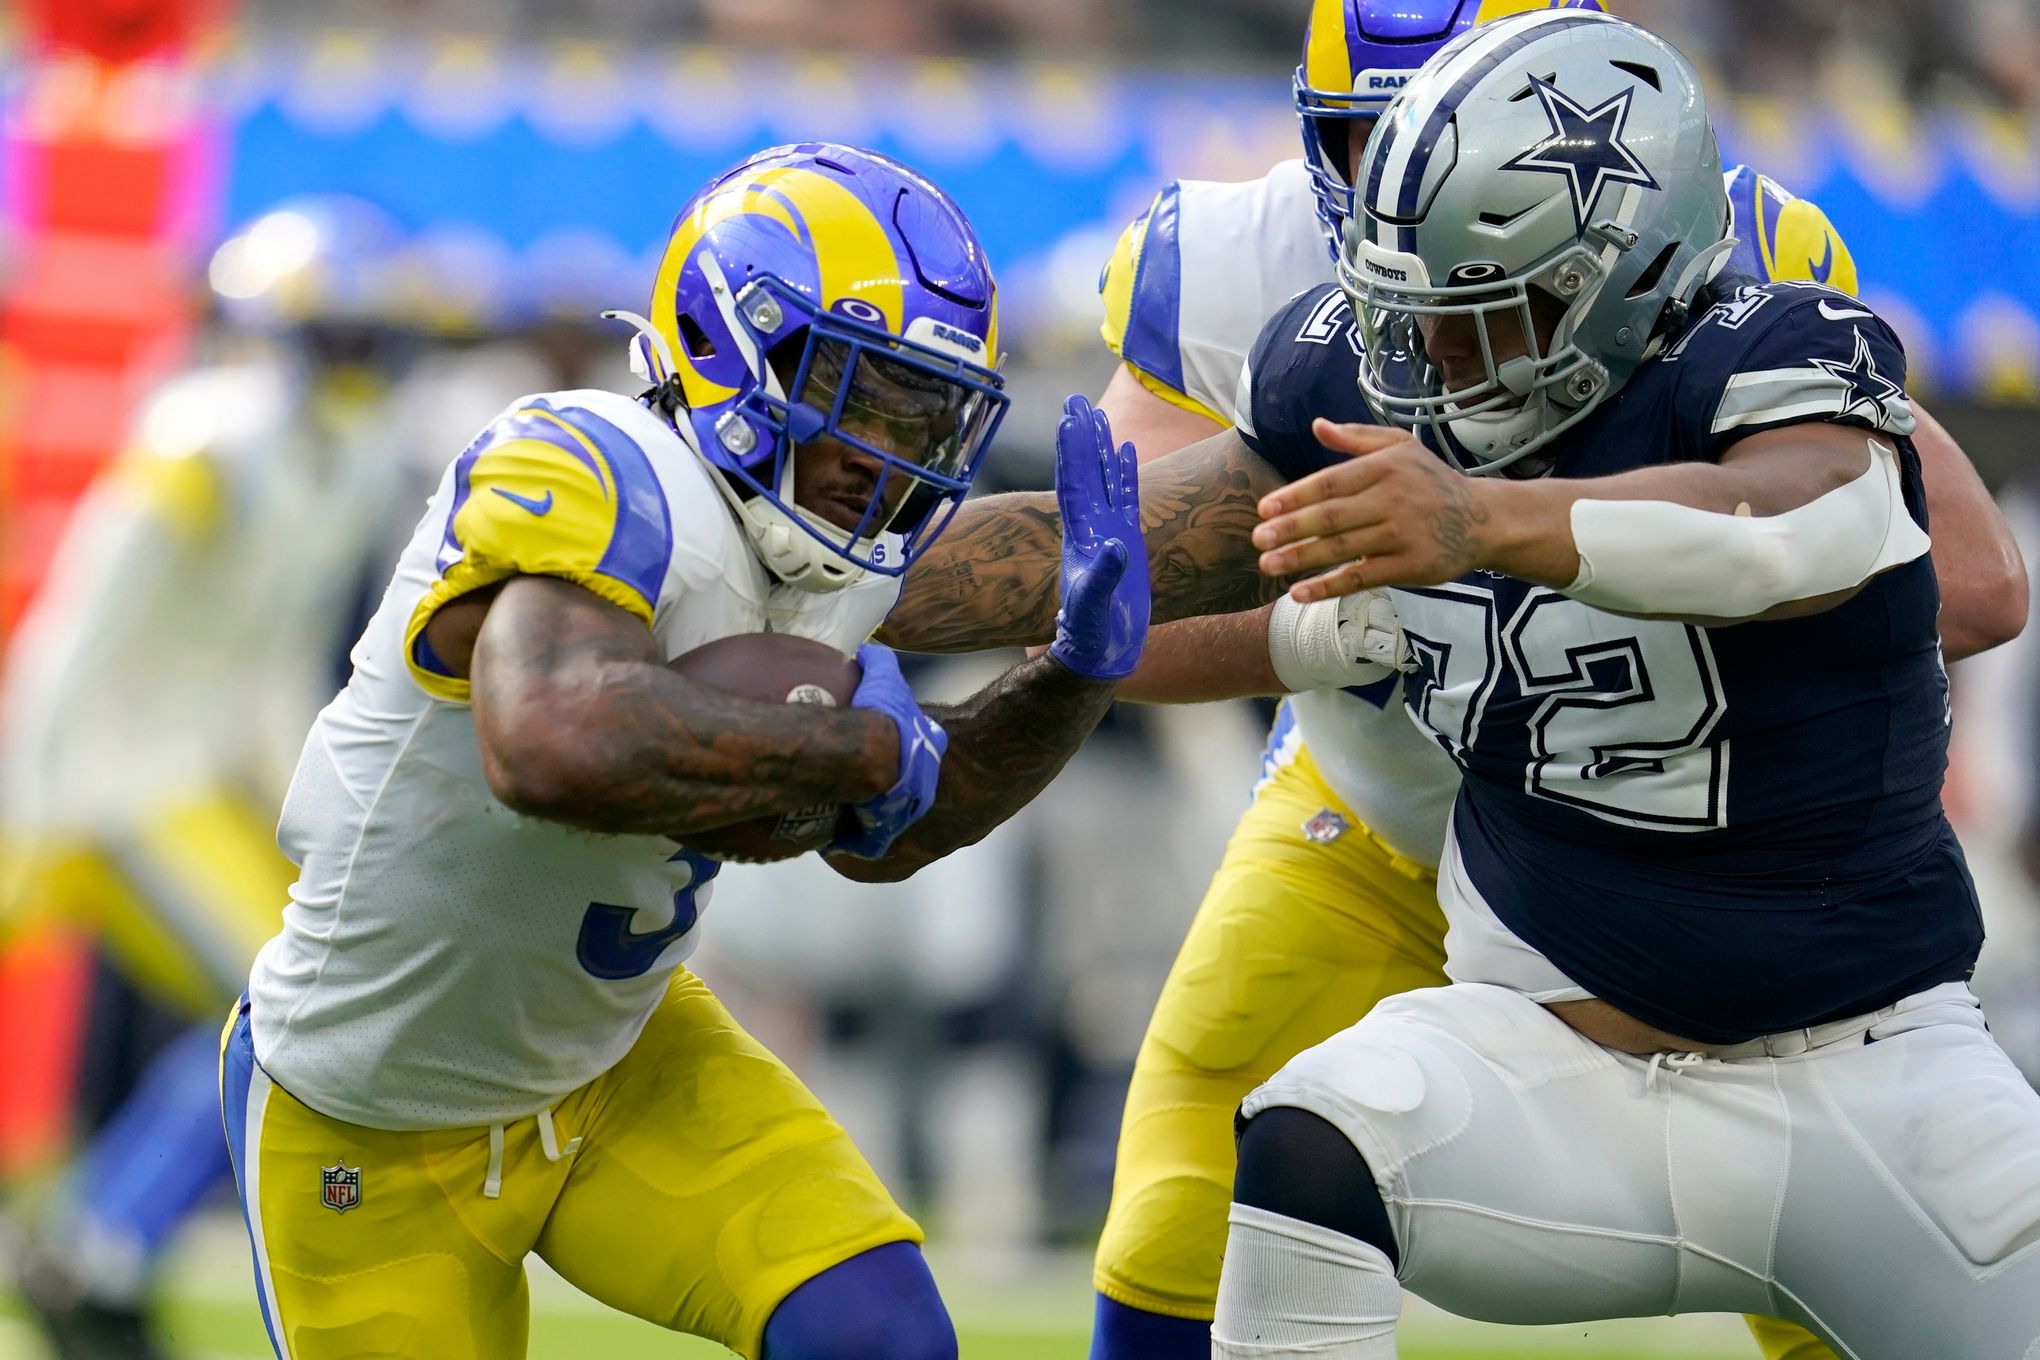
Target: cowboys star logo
<point x="1868" y="393"/>
<point x="1585" y="146"/>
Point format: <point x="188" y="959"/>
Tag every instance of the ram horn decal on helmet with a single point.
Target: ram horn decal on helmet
<point x="820" y="292"/>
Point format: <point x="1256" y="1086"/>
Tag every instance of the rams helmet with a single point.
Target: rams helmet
<point x="817" y="291"/>
<point x="1356" y="55"/>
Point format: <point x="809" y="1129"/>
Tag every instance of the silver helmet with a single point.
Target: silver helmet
<point x="1550" y="173"/>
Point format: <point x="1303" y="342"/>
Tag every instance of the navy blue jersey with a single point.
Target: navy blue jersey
<point x="1725" y="831"/>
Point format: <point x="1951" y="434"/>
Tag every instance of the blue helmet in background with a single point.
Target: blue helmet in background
<point x="310" y="259"/>
<point x="1357" y="54"/>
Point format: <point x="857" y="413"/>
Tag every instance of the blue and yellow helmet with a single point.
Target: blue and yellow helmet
<point x="819" y="292"/>
<point x="1357" y="54"/>
<point x="312" y="258"/>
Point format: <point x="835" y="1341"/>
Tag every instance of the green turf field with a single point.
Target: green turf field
<point x="1032" y="1308"/>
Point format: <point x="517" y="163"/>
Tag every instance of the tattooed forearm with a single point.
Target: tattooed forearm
<point x="1006" y="742"/>
<point x="1199" y="507"/>
<point x="578" y="723"/>
<point x="992" y="579"/>
<point x="1455" y="524"/>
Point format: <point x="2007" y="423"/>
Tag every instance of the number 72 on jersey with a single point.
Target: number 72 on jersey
<point x="1620" y="712"/>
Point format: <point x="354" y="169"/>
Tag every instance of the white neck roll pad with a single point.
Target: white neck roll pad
<point x="1655" y="557"/>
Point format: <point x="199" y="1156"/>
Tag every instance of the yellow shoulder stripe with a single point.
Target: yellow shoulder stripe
<point x="529" y="507"/>
<point x="1183" y="400"/>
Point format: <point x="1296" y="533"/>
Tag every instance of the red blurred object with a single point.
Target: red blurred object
<point x="120" y="30"/>
<point x="109" y="191"/>
<point x="45" y="981"/>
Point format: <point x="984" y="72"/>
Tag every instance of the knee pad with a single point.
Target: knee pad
<point x="1296" y="1164"/>
<point x="879" y="1305"/>
<point x="1163" y="1242"/>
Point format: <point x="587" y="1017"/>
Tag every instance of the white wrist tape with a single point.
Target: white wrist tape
<point x="1654" y="557"/>
<point x="1329" y="644"/>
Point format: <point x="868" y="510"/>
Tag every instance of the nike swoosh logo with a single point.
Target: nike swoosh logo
<point x="1827" y="261"/>
<point x="1834" y="313"/>
<point x="540" y="506"/>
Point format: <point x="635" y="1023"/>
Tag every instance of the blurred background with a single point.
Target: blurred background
<point x="974" y="1028"/>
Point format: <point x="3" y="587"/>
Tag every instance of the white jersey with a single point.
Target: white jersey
<point x="1187" y="290"/>
<point x="445" y="961"/>
<point x="196" y="606"/>
<point x="1194" y="277"/>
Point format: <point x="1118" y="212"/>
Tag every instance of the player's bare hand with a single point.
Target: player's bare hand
<point x="1392" y="514"/>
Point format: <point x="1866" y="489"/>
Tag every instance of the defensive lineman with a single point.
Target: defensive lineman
<point x="1709" y="1044"/>
<point x="1198" y="502"/>
<point x="1326" y="899"/>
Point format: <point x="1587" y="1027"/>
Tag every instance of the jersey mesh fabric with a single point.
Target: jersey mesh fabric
<point x="1725" y="831"/>
<point x="445" y="961"/>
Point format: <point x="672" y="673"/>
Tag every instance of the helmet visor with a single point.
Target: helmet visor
<point x="911" y="433"/>
<point x="877" y="435"/>
<point x="1469" y="364"/>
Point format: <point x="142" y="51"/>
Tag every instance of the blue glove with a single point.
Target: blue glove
<point x="922" y="742"/>
<point x="1104" y="616"/>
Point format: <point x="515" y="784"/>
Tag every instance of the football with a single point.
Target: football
<point x="772" y="668"/>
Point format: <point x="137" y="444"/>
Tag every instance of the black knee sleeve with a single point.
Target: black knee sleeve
<point x="1295" y="1164"/>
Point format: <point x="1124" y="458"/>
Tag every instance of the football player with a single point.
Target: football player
<point x="1196" y="502"/>
<point x="474" y="1039"/>
<point x="1709" y="1043"/>
<point x="1331" y="874"/>
<point x="159" y="687"/>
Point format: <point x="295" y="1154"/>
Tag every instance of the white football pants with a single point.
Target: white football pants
<point x="1876" y="1180"/>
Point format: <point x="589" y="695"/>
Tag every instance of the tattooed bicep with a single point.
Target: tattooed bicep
<point x="1198" y="512"/>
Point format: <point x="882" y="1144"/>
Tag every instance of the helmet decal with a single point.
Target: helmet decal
<point x="1395" y="180"/>
<point x="1585" y="146"/>
<point x="1357" y="56"/>
<point x="821" y="295"/>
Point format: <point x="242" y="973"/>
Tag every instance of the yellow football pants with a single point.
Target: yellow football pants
<point x="1296" y="940"/>
<point x="695" y="1184"/>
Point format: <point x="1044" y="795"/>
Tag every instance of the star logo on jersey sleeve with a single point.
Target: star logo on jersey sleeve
<point x="1868" y="393"/>
<point x="1585" y="146"/>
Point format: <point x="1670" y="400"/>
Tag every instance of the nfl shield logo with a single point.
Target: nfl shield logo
<point x="1326" y="827"/>
<point x="340" y="1187"/>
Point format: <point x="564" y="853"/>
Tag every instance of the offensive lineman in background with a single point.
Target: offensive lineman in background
<point x="1326" y="899"/>
<point x="474" y="1039"/>
<point x="199" y="602"/>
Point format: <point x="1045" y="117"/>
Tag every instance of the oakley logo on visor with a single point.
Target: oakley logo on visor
<point x="1473" y="273"/>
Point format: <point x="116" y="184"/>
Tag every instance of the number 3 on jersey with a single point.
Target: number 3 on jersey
<point x="1621" y="709"/>
<point x="609" y="948"/>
